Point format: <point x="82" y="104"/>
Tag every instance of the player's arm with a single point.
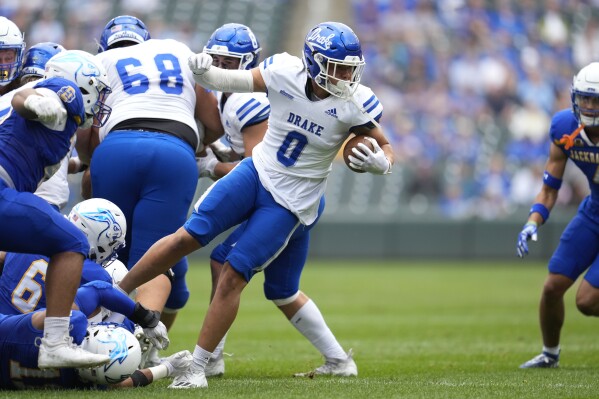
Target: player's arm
<point x="173" y="365"/>
<point x="552" y="179"/>
<point x="42" y="105"/>
<point x="545" y="199"/>
<point x="206" y="111"/>
<point x="225" y="80"/>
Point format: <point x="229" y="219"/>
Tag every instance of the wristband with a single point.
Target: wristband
<point x="139" y="379"/>
<point x="551" y="181"/>
<point x="541" y="210"/>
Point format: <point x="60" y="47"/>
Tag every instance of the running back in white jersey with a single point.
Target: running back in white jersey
<point x="304" y="136"/>
<point x="150" y="80"/>
<point x="240" y="111"/>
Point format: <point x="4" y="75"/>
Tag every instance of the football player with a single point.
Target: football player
<point x="579" y="244"/>
<point x="12" y="47"/>
<point x="151" y="140"/>
<point x="38" y="123"/>
<point x="19" y="368"/>
<point x="315" y="104"/>
<point x="244" y="117"/>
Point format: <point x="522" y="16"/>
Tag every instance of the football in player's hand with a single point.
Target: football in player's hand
<point x="353" y="143"/>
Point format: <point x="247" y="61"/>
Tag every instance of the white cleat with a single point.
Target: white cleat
<point x="190" y="379"/>
<point x="215" y="367"/>
<point x="65" y="353"/>
<point x="335" y="367"/>
<point x="178" y="363"/>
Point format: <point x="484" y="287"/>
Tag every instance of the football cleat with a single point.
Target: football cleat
<point x="544" y="360"/>
<point x="215" y="367"/>
<point x="65" y="353"/>
<point x="335" y="367"/>
<point x="192" y="378"/>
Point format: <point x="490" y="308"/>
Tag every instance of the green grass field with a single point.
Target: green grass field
<point x="418" y="330"/>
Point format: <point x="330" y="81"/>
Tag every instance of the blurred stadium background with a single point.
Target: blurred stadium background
<point x="469" y="87"/>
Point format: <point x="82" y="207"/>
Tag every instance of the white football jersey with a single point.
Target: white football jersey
<point x="295" y="157"/>
<point x="241" y="110"/>
<point x="150" y="80"/>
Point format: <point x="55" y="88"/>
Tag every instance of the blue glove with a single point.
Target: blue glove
<point x="529" y="232"/>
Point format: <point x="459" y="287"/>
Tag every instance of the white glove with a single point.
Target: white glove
<point x="373" y="162"/>
<point x="158" y="336"/>
<point x="206" y="164"/>
<point x="529" y="232"/>
<point x="199" y="63"/>
<point x="48" y="110"/>
<point x="224" y="153"/>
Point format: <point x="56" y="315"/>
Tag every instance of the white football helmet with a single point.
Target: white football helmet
<point x="585" y="95"/>
<point x="90" y="76"/>
<point x="117" y="271"/>
<point x="118" y="343"/>
<point x="11" y="38"/>
<point x="104" y="225"/>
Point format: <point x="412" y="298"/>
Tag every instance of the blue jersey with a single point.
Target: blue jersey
<point x="22" y="283"/>
<point x="30" y="151"/>
<point x="584" y="153"/>
<point x="18" y="355"/>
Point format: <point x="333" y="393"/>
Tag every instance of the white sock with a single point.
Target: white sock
<point x="219" y="348"/>
<point x="200" y="358"/>
<point x="310" y="323"/>
<point x="55" y="328"/>
<point x="552" y="351"/>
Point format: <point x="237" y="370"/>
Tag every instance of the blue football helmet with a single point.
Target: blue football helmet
<point x="123" y="28"/>
<point x="585" y="95"/>
<point x="235" y="40"/>
<point x="11" y="38"/>
<point x="36" y="58"/>
<point x="330" y="45"/>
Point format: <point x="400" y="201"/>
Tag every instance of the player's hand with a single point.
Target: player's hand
<point x="206" y="164"/>
<point x="374" y="162"/>
<point x="158" y="336"/>
<point x="48" y="110"/>
<point x="223" y="153"/>
<point x="529" y="232"/>
<point x="200" y="63"/>
<point x="146" y="318"/>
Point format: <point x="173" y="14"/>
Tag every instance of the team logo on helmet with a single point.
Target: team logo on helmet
<point x="113" y="230"/>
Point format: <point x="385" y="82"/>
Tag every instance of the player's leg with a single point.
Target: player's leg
<point x="576" y="251"/>
<point x="281" y="285"/>
<point x="266" y="234"/>
<point x="24" y="215"/>
<point x="587" y="296"/>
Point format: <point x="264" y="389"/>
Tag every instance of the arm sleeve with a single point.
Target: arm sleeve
<point x="226" y="80"/>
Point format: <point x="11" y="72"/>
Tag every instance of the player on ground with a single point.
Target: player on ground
<point x="578" y="250"/>
<point x="315" y="104"/>
<point x="151" y="139"/>
<point x="19" y="356"/>
<point x="38" y="123"/>
<point x="233" y="46"/>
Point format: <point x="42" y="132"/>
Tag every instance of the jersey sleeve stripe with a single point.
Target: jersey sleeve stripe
<point x="240" y="110"/>
<point x="255" y="120"/>
<point x="249" y="110"/>
<point x="268" y="61"/>
<point x="373" y="106"/>
<point x="371" y="99"/>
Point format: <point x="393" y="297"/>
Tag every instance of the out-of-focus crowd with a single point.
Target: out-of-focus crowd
<point x="469" y="87"/>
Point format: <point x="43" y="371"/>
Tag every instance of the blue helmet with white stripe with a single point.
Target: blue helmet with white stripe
<point x="330" y="47"/>
<point x="124" y="28"/>
<point x="235" y="40"/>
<point x="37" y="57"/>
